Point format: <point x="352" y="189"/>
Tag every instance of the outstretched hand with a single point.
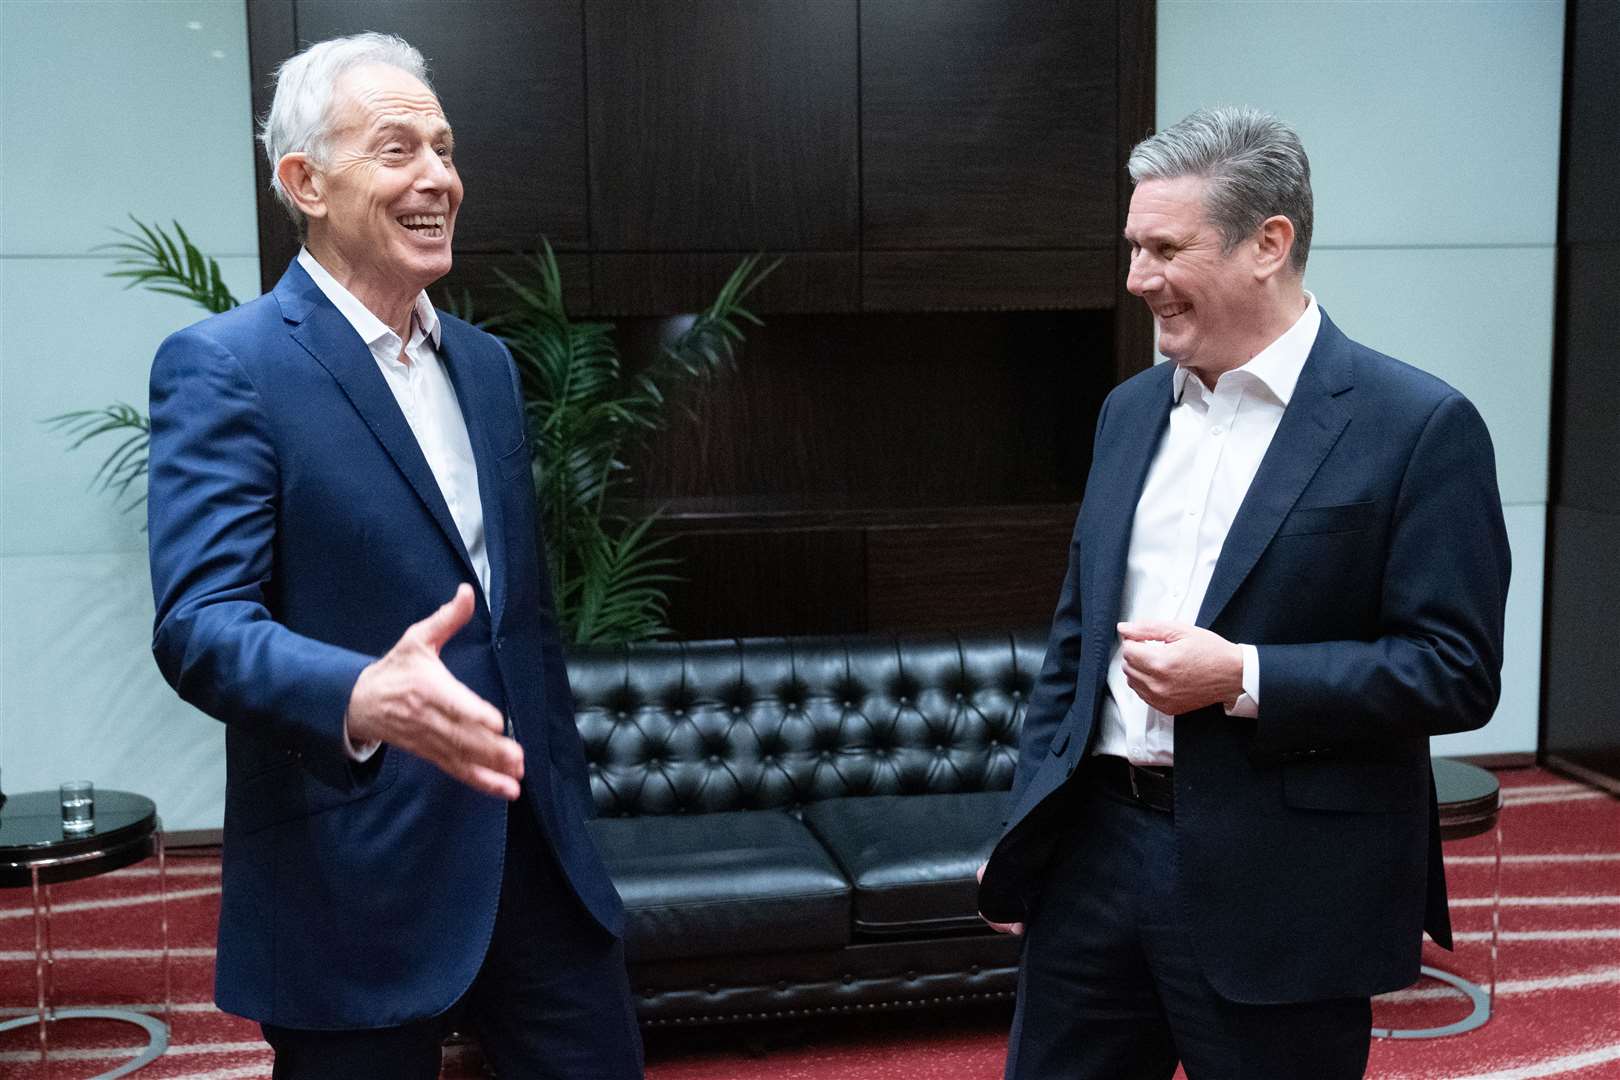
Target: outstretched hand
<point x="1177" y="668"/>
<point x="409" y="699"/>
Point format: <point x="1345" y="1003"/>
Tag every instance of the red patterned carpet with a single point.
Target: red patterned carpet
<point x="1557" y="1008"/>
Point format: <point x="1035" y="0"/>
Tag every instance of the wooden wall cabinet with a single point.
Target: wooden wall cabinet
<point x="906" y="440"/>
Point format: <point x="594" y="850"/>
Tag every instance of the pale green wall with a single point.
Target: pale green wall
<point x="1433" y="135"/>
<point x="106" y="109"/>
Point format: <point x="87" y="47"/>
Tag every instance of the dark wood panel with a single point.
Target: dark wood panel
<point x="1138" y="54"/>
<point x="725" y="126"/>
<point x="1582" y="679"/>
<point x="974" y="280"/>
<point x="271" y="39"/>
<point x="477" y="278"/>
<point x="955" y="577"/>
<point x="988" y="123"/>
<point x="888" y="410"/>
<point x="1587" y="438"/>
<point x="752" y="584"/>
<point x="1592" y="123"/>
<point x="511" y="77"/>
<point x="669" y="283"/>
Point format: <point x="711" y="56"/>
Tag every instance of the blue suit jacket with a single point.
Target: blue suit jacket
<point x="1369" y="564"/>
<point x="296" y="531"/>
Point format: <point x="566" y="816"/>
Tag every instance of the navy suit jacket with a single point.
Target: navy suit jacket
<point x="1369" y="565"/>
<point x="296" y="531"/>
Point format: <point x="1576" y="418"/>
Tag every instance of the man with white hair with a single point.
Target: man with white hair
<point x="1289" y="570"/>
<point x="347" y="572"/>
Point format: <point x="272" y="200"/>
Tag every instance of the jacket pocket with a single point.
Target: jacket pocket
<point x="515" y="462"/>
<point x="288" y="792"/>
<point x="1344" y="517"/>
<point x="1355" y="787"/>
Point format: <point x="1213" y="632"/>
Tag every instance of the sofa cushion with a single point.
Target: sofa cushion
<point x="743" y="881"/>
<point x="912" y="858"/>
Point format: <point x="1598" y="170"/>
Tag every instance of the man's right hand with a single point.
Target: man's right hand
<point x="998" y="927"/>
<point x="409" y="699"/>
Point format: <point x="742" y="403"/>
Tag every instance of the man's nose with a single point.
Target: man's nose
<point x="1142" y="276"/>
<point x="434" y="173"/>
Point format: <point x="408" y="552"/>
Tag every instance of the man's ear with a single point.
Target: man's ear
<point x="302" y="183"/>
<point x="1273" y="245"/>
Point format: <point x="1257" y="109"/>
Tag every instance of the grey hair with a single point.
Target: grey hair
<point x="1253" y="166"/>
<point x="300" y="121"/>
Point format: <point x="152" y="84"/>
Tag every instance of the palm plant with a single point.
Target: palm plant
<point x="161" y="263"/>
<point x="584" y="413"/>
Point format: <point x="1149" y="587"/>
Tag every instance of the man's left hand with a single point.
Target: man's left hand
<point x="1177" y="668"/>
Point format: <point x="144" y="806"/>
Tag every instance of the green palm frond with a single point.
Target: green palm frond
<point x="127" y="462"/>
<point x="154" y="260"/>
<point x="620" y="594"/>
<point x="586" y="413"/>
<point x="160" y="263"/>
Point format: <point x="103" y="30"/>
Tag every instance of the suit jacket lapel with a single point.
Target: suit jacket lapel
<point x="457" y="352"/>
<point x="327" y="336"/>
<point x="1142" y="425"/>
<point x="1310" y="426"/>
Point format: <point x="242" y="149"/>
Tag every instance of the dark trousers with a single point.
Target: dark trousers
<point x="1110" y="988"/>
<point x="552" y="999"/>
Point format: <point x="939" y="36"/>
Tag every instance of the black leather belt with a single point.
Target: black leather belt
<point x="1152" y="786"/>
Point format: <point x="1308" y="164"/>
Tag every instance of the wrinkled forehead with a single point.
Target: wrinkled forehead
<point x="375" y="94"/>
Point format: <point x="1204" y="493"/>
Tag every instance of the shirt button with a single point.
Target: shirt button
<point x="1216" y="430"/>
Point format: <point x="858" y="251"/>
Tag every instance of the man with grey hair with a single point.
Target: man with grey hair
<point x="1289" y="570"/>
<point x="347" y="573"/>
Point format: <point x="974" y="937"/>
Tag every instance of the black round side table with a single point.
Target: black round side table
<point x="36" y="853"/>
<point x="1470" y="801"/>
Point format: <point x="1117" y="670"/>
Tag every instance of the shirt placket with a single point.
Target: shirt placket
<point x="1195" y="499"/>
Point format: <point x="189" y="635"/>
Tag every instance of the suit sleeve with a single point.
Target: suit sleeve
<point x="211" y="521"/>
<point x="1436" y="665"/>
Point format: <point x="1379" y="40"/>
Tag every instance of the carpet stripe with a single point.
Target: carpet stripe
<point x="1599" y="934"/>
<point x="1521" y="860"/>
<point x="208" y="869"/>
<point x="153" y="1007"/>
<point x="98" y="1053"/>
<point x="1569" y="1063"/>
<point x="19" y="955"/>
<point x="1541" y="800"/>
<point x="1537" y="901"/>
<point x="1517" y="789"/>
<point x="112" y="902"/>
<point x="239" y="1072"/>
<point x="1596" y="977"/>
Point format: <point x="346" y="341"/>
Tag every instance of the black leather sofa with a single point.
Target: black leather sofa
<point x="794" y="823"/>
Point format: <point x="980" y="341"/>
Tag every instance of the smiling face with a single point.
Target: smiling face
<point x="389" y="191"/>
<point x="1209" y="305"/>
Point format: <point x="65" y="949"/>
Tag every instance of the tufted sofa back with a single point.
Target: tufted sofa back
<point x="694" y="727"/>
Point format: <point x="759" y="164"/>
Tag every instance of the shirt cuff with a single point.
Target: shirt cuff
<point x="1247" y="705"/>
<point x="363" y="753"/>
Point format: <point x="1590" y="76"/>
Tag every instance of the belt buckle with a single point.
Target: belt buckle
<point x="1130" y="769"/>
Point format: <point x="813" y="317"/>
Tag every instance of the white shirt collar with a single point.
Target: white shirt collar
<point x="1277" y="366"/>
<point x="370" y="328"/>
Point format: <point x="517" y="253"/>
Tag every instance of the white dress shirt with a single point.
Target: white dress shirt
<point x="416" y="375"/>
<point x="1195" y="485"/>
<point x="422" y="387"/>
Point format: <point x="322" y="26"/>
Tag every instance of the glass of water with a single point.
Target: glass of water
<point x="78" y="806"/>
